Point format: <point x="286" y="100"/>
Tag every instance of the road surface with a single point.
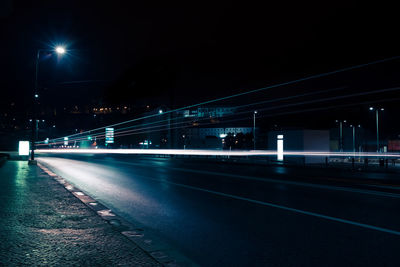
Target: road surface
<point x="222" y="214"/>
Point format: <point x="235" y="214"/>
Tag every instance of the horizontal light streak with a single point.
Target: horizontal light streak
<point x="140" y="129"/>
<point x="311" y="77"/>
<point x="205" y="152"/>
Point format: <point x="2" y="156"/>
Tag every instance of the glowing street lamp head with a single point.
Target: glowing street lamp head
<point x="60" y="50"/>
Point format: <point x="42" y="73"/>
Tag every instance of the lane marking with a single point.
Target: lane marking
<point x="245" y="177"/>
<point x="268" y="204"/>
<point x="314" y="214"/>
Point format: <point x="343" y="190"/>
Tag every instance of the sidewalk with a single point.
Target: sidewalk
<point x="43" y="224"/>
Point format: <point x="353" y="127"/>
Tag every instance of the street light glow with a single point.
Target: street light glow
<point x="60" y="50"/>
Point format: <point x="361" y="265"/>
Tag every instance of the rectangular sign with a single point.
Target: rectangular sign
<point x="280" y="147"/>
<point x="109" y="136"/>
<point x="23" y="149"/>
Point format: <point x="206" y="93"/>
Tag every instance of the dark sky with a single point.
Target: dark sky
<point x="125" y="51"/>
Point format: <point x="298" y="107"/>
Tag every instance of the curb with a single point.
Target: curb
<point x="155" y="248"/>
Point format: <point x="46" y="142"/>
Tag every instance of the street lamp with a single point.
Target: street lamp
<point x="59" y="50"/>
<point x="254" y="129"/>
<point x="377" y="124"/>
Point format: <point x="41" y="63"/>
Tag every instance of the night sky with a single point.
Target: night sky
<point x="183" y="53"/>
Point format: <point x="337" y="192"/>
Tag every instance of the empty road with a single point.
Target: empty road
<point x="221" y="214"/>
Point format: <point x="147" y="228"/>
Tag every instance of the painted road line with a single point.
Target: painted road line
<point x="309" y="213"/>
<point x="314" y="214"/>
<point x="245" y="177"/>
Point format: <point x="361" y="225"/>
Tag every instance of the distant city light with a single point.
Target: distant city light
<point x="222" y="135"/>
<point x="146" y="143"/>
<point x="371" y="108"/>
<point x="160" y="111"/>
<point x="109" y="136"/>
<point x="36" y="95"/>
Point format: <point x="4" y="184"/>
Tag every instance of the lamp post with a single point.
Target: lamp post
<point x="341" y="134"/>
<point x="377" y="125"/>
<point x="254" y="129"/>
<point x="354" y="136"/>
<point x="59" y="50"/>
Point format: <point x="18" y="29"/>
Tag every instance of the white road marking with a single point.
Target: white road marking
<point x="314" y="214"/>
<point x="263" y="203"/>
<point x="245" y="177"/>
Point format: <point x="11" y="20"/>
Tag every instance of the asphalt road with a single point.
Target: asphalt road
<point x="243" y="215"/>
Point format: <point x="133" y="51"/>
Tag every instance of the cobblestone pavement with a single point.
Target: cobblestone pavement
<point x="42" y="224"/>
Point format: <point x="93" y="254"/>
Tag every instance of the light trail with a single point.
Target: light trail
<point x="260" y="109"/>
<point x="92" y="132"/>
<point x="119" y="132"/>
<point x="206" y="152"/>
<point x="311" y="77"/>
<point x="140" y="131"/>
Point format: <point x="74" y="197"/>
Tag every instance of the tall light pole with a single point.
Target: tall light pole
<point x="341" y="134"/>
<point x="59" y="50"/>
<point x="254" y="129"/>
<point x="377" y="125"/>
<point x="354" y="136"/>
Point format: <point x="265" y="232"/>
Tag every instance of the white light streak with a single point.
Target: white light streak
<point x="205" y="152"/>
